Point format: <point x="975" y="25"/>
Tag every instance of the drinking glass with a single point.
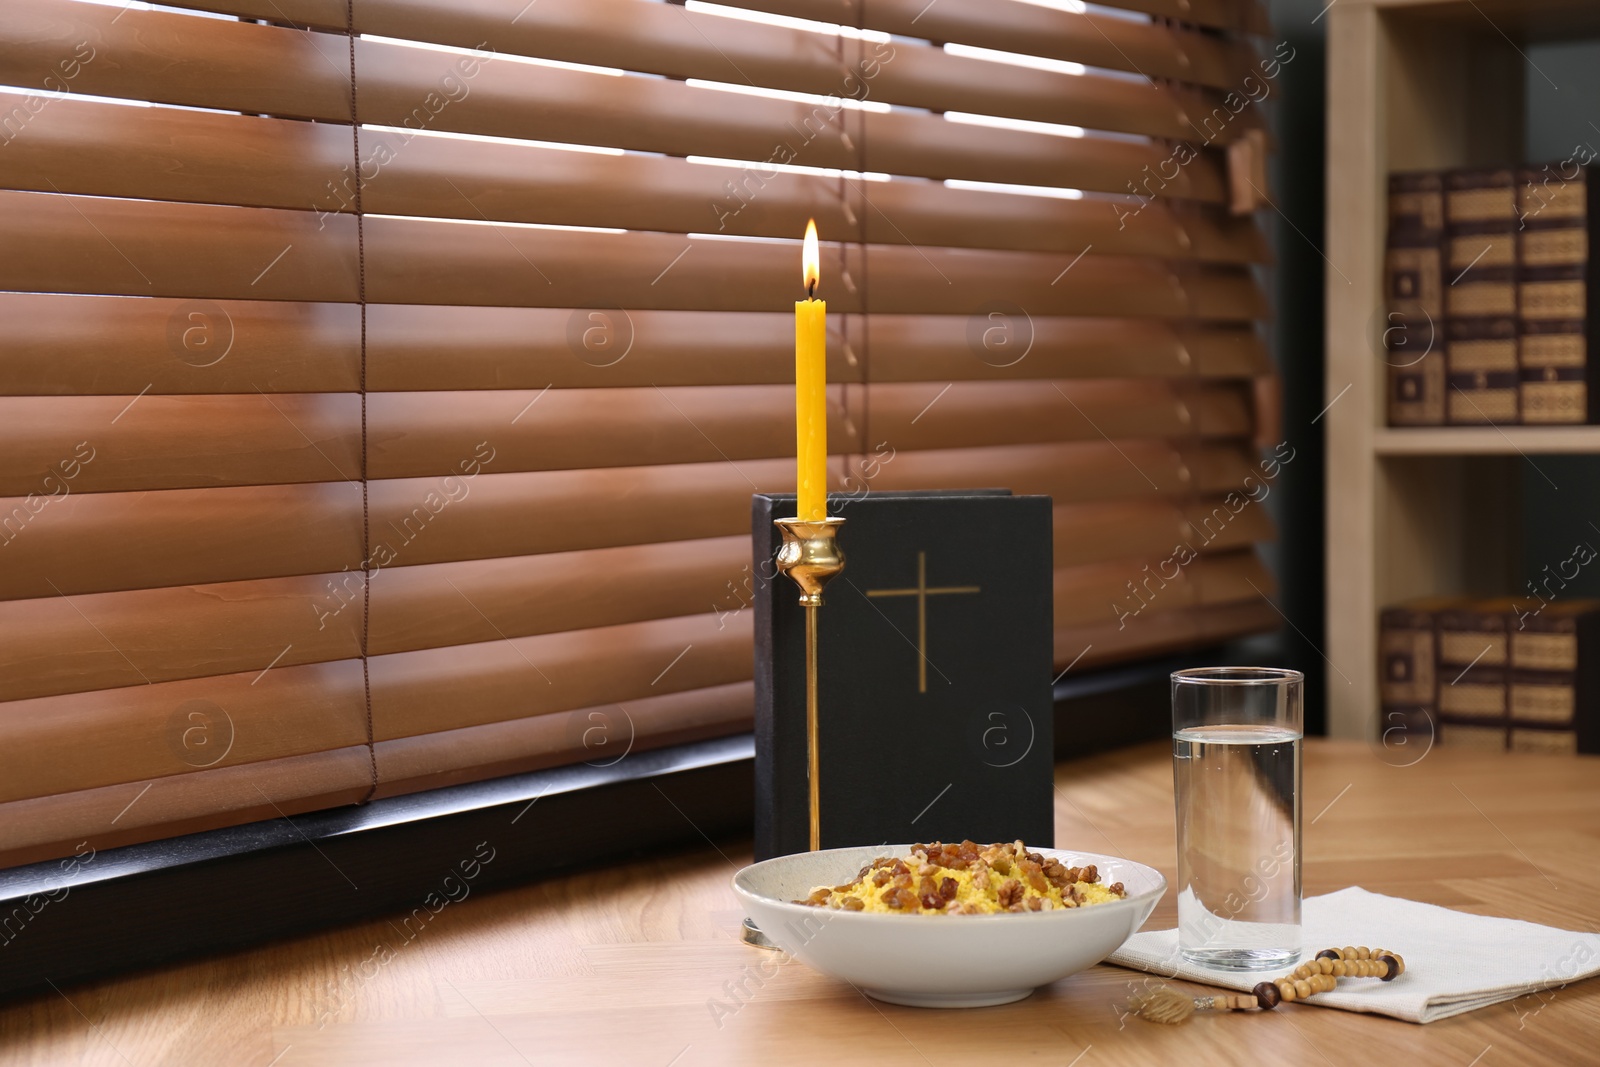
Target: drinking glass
<point x="1236" y="735"/>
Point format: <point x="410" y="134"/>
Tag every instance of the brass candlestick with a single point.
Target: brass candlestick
<point x="810" y="555"/>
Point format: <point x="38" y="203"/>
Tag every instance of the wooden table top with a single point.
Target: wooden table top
<point x="642" y="965"/>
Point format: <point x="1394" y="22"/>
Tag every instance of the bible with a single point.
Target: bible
<point x="936" y="648"/>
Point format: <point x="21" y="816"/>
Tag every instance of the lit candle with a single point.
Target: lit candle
<point x="811" y="387"/>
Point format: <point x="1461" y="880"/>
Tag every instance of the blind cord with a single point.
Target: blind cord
<point x="857" y="145"/>
<point x="866" y="450"/>
<point x="361" y="301"/>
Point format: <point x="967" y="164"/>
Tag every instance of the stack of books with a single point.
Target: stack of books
<point x="1497" y="673"/>
<point x="1489" y="297"/>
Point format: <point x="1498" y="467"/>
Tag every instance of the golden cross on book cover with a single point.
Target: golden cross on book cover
<point x="934" y="674"/>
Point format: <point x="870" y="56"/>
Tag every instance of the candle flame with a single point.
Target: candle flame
<point x="811" y="259"/>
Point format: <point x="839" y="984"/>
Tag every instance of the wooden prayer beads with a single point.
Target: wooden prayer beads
<point x="1319" y="975"/>
<point x="1331" y="964"/>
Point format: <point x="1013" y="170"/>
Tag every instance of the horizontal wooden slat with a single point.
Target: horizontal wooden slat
<point x="43" y="828"/>
<point x="180" y="59"/>
<point x="674" y="42"/>
<point x="87" y="740"/>
<point x="1248" y="16"/>
<point x="61" y="445"/>
<point x="100" y="542"/>
<point x="95" y="641"/>
<point x="96" y="542"/>
<point x="600" y="736"/>
<point x="432" y="347"/>
<point x="55" y="345"/>
<point x="429" y="262"/>
<point x="1126" y="592"/>
<point x="72" y="244"/>
<point x="103" y="149"/>
<point x="108" y="640"/>
<point x="975" y="414"/>
<point x="58" y="345"/>
<point x="1156" y="528"/>
<point x="47" y="827"/>
<point x="499" y="680"/>
<point x="1234" y="520"/>
<point x="1166" y="632"/>
<point x="58" y="445"/>
<point x="92" y="542"/>
<point x="1093" y="39"/>
<point x="1107" y="470"/>
<point x="67" y="244"/>
<point x="204" y="799"/>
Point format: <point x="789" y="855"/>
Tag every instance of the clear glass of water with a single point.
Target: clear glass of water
<point x="1236" y="735"/>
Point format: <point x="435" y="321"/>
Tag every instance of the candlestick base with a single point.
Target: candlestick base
<point x="810" y="555"/>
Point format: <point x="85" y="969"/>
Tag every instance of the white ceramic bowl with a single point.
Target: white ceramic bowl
<point x="940" y="961"/>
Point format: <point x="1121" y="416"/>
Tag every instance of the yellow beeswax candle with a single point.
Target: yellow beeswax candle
<point x="811" y="387"/>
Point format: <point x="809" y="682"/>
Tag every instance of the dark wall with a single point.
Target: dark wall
<point x="1296" y="227"/>
<point x="1560" y="494"/>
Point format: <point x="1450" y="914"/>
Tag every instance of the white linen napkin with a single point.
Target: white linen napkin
<point x="1455" y="962"/>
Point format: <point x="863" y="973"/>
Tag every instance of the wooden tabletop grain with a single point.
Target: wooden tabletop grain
<point x="641" y="964"/>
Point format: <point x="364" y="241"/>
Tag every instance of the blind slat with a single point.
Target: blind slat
<point x="1127" y="591"/>
<point x="100" y="542"/>
<point x="70" y="244"/>
<point x="135" y="637"/>
<point x="598" y="736"/>
<point x="196" y="62"/>
<point x="111" y="640"/>
<point x="118" y="444"/>
<point x="668" y="40"/>
<point x="61" y="345"/>
<point x="56" y="345"/>
<point x="60" y="243"/>
<point x="88" y="740"/>
<point x="103" y="149"/>
<point x="1028" y="28"/>
<point x="1068" y="473"/>
<point x="129" y="638"/>
<point x="203" y="799"/>
<point x="58" y="445"/>
<point x="46" y="827"/>
<point x="1173" y="631"/>
<point x="1145" y="48"/>
<point x="93" y="542"/>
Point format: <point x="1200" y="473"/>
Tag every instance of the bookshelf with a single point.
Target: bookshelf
<point x="1415" y="84"/>
<point x="1475" y="441"/>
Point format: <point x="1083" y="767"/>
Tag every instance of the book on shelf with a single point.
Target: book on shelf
<point x="1473" y="651"/>
<point x="1555" y="678"/>
<point x="1481" y="373"/>
<point x="1413" y="273"/>
<point x="1490" y="304"/>
<point x="1406" y="673"/>
<point x="1493" y="673"/>
<point x="1554" y="292"/>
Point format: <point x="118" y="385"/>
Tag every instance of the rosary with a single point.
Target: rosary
<point x="1167" y="1005"/>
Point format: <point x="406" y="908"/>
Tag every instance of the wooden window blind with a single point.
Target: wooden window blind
<point x="526" y="370"/>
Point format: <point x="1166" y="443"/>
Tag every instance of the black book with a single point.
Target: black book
<point x="936" y="655"/>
